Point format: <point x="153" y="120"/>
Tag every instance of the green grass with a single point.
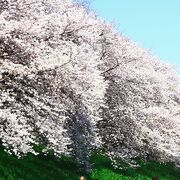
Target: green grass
<point x="51" y="168"/>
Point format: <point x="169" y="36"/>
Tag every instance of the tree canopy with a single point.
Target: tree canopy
<point x="70" y="82"/>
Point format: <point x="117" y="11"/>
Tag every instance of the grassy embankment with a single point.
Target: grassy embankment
<point x="50" y="168"/>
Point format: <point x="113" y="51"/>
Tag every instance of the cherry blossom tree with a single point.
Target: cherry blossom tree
<point x="51" y="85"/>
<point x="142" y="115"/>
<point x="70" y="83"/>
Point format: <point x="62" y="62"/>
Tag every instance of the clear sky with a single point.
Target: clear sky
<point x="153" y="24"/>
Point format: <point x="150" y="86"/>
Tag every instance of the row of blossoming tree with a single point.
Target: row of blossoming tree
<point x="70" y="83"/>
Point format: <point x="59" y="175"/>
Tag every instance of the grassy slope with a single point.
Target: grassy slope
<point x="50" y="168"/>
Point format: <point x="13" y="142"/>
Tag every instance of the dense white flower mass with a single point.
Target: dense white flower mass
<point x="69" y="82"/>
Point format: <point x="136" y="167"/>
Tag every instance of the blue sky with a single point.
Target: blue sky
<point x="153" y="24"/>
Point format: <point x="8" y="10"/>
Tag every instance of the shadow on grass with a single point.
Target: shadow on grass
<point x="49" y="167"/>
<point x="38" y="167"/>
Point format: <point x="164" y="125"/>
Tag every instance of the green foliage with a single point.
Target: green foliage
<point x="103" y="170"/>
<point x="49" y="167"/>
